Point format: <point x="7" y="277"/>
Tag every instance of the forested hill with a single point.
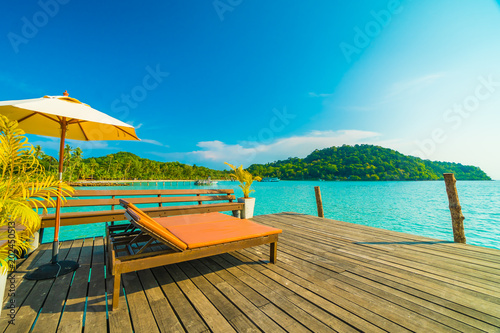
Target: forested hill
<point x="364" y="162"/>
<point x="124" y="165"/>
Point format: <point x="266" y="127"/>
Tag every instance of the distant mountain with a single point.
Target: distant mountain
<point x="364" y="162"/>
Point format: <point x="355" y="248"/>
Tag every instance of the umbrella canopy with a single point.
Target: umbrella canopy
<point x="63" y="117"/>
<point x="44" y="116"/>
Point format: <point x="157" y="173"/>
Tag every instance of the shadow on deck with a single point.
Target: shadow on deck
<point x="330" y="276"/>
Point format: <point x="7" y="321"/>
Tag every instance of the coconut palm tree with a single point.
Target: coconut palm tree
<point x="24" y="189"/>
<point x="93" y="166"/>
<point x="76" y="161"/>
<point x="83" y="171"/>
<point x="38" y="151"/>
<point x="127" y="168"/>
<point x="109" y="165"/>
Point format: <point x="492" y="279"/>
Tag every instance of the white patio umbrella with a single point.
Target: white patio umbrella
<point x="63" y="117"/>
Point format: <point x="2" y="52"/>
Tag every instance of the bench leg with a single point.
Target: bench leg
<point x="116" y="291"/>
<point x="273" y="253"/>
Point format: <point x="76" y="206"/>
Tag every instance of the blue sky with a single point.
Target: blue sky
<point x="254" y="81"/>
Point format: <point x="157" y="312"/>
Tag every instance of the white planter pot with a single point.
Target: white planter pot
<point x="249" y="207"/>
<point x="3" y="283"/>
<point x="35" y="242"/>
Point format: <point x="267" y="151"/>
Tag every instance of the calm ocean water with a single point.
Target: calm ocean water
<point x="419" y="208"/>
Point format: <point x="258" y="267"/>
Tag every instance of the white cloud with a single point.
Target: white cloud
<point x="131" y="123"/>
<point x="215" y="153"/>
<point x="378" y="96"/>
<point x="356" y="107"/>
<point x="413" y="85"/>
<point x="153" y="142"/>
<point x="313" y="94"/>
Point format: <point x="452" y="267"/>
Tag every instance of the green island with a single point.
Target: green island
<point x="364" y="162"/>
<point x="359" y="162"/>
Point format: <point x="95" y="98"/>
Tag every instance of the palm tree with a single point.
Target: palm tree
<point x="127" y="168"/>
<point x="110" y="160"/>
<point x="38" y="152"/>
<point x="24" y="185"/>
<point x="67" y="157"/>
<point x="83" y="171"/>
<point x="93" y="166"/>
<point x="76" y="160"/>
<point x="114" y="170"/>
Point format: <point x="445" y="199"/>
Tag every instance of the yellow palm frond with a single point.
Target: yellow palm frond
<point x="230" y="165"/>
<point x="24" y="188"/>
<point x="8" y="253"/>
<point x="244" y="177"/>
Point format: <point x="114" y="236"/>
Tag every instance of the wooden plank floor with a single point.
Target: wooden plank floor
<point x="330" y="276"/>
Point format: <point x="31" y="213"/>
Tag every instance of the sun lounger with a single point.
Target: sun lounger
<point x="186" y="237"/>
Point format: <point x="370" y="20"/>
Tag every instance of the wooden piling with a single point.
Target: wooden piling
<point x="319" y="202"/>
<point x="457" y="218"/>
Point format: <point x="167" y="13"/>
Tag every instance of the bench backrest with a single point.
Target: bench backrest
<point x="142" y="221"/>
<point x="112" y="197"/>
<point x="167" y="202"/>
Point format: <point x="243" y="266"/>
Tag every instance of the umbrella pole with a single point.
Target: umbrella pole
<point x="55" y="244"/>
<point x="56" y="268"/>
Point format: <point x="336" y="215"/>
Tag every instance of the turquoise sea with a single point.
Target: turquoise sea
<point x="419" y="208"/>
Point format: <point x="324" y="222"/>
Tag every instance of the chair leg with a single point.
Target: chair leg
<point x="116" y="291"/>
<point x="273" y="252"/>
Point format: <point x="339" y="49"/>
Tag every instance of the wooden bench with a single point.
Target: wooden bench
<point x="186" y="202"/>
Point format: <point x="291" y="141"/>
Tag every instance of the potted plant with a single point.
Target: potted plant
<point x="246" y="179"/>
<point x="24" y="187"/>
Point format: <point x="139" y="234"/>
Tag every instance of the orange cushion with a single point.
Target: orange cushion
<point x="150" y="224"/>
<point x="191" y="219"/>
<point x="219" y="232"/>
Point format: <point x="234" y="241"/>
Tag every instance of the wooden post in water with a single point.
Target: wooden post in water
<point x="457" y="218"/>
<point x="319" y="202"/>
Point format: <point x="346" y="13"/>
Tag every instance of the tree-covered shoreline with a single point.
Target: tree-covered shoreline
<point x="359" y="162"/>
<point x="364" y="162"/>
<point x="124" y="166"/>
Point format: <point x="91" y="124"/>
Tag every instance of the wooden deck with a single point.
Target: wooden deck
<point x="330" y="276"/>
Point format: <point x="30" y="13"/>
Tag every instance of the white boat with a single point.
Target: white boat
<point x="270" y="179"/>
<point x="205" y="182"/>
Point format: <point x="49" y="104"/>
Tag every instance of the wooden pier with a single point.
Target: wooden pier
<point x="330" y="276"/>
